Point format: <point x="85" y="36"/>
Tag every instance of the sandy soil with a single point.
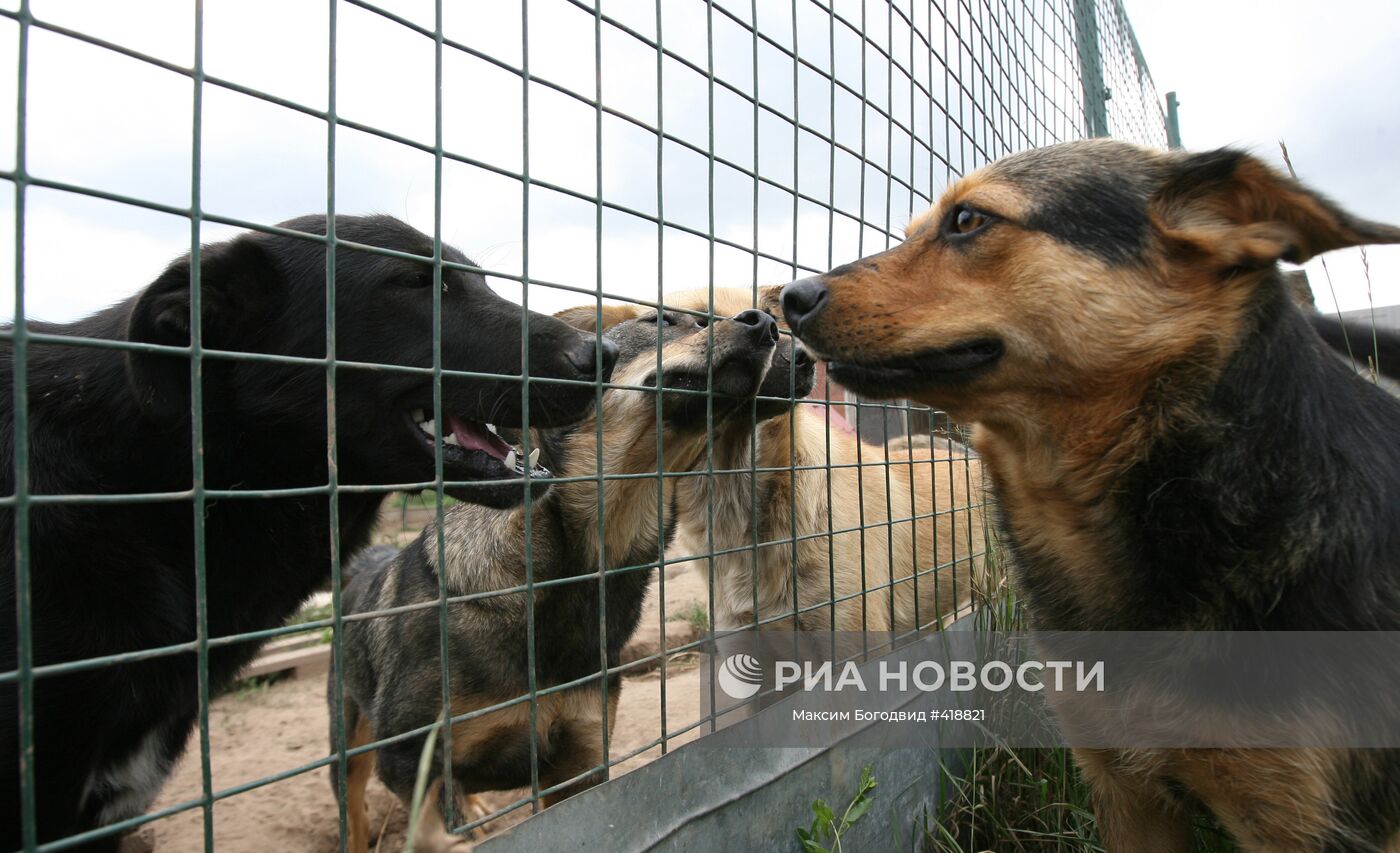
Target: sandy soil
<point x="275" y="728"/>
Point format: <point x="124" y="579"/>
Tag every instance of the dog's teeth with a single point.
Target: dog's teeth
<point x="428" y="426"/>
<point x="510" y="459"/>
<point x="534" y="456"/>
<point x="451" y="438"/>
<point x="492" y="427"/>
<point x="417" y="416"/>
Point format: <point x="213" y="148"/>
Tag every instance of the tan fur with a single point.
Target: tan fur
<point x="629" y="505"/>
<point x="432" y="835"/>
<point x="728" y="301"/>
<point x="361" y="768"/>
<point x="1062" y="415"/>
<point x="1268" y="799"/>
<point x="483" y="550"/>
<point x="909" y="445"/>
<point x="1098" y="358"/>
<point x="576" y="714"/>
<point x="879" y="578"/>
<point x="585" y="317"/>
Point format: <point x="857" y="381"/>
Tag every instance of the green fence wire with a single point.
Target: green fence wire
<point x="856" y="113"/>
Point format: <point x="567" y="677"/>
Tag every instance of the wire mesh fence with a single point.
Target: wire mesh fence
<point x="671" y="160"/>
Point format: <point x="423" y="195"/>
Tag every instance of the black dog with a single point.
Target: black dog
<point x="109" y="578"/>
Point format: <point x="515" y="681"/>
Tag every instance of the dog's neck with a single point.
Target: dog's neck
<point x="722" y="504"/>
<point x="89" y="435"/>
<point x="723" y="510"/>
<point x="1203" y="493"/>
<point x="90" y="403"/>
<point x="727" y="505"/>
<point x="635" y="510"/>
<point x="86" y="407"/>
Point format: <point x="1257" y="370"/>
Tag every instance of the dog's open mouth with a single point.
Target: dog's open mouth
<point x="905" y="374"/>
<point x="477" y="448"/>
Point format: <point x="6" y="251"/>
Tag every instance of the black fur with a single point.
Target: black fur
<point x="1253" y="481"/>
<point x="1202" y="172"/>
<point x="110" y="578"/>
<point x="1099" y="207"/>
<point x="1274" y="509"/>
<point x="789" y="379"/>
<point x="371" y="559"/>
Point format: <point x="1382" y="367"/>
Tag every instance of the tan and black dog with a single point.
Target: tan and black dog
<point x="819" y="487"/>
<point x="1172" y="446"/>
<point x="393" y="672"/>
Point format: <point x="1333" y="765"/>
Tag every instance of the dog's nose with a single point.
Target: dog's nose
<point x="802" y="300"/>
<point x="800" y="356"/>
<point x="584" y="358"/>
<point x="760" y="323"/>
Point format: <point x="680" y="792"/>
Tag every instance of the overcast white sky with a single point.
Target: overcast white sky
<point x="1246" y="76"/>
<point x="106" y="121"/>
<point x="1320" y="76"/>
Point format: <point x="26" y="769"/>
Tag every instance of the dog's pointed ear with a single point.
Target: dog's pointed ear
<point x="770" y="299"/>
<point x="585" y="317"/>
<point x="1237" y="212"/>
<point x="238" y="284"/>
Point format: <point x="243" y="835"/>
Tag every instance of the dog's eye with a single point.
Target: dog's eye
<point x="964" y="220"/>
<point x="661" y="319"/>
<point x="418" y="279"/>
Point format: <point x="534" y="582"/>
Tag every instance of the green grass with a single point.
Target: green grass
<point x="310" y="613"/>
<point x="1014" y="800"/>
<point x="423" y="500"/>
<point x="695" y="614"/>
<point x="256" y="686"/>
<point x="314" y="613"/>
<point x="1031" y="800"/>
<point x="826" y="828"/>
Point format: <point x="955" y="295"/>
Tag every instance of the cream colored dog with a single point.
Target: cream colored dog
<point x="894" y="542"/>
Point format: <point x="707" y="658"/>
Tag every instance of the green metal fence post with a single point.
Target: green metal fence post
<point x="339" y="745"/>
<point x="24" y="650"/>
<point x="1173" y="121"/>
<point x="1086" y="38"/>
<point x="201" y="556"/>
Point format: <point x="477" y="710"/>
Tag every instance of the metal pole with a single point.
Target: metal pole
<point x="1173" y="122"/>
<point x="1086" y="37"/>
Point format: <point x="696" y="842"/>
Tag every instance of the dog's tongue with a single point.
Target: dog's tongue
<point x="474" y="436"/>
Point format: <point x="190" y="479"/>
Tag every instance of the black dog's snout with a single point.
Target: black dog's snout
<point x="583" y="358"/>
<point x="803" y="300"/>
<point x="760" y="322"/>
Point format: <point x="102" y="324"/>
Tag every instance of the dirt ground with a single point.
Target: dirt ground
<point x="259" y="731"/>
